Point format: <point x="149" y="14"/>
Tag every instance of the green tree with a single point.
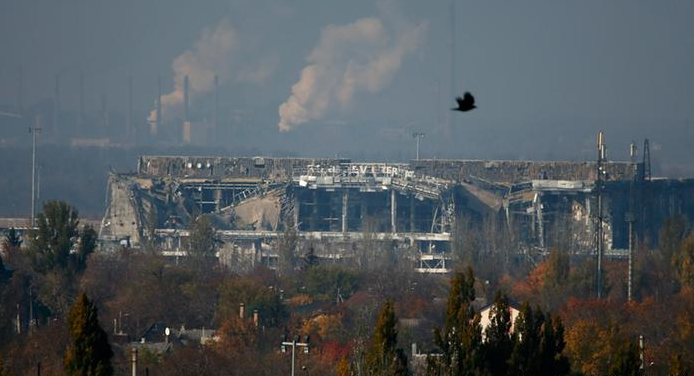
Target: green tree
<point x="461" y="340"/>
<point x="626" y="361"/>
<point x="54" y="237"/>
<point x="85" y="247"/>
<point x="89" y="353"/>
<point x="383" y="357"/>
<point x="203" y="238"/>
<point x="12" y="239"/>
<point x="498" y="339"/>
<point x="201" y="244"/>
<point x="287" y="247"/>
<point x="538" y="344"/>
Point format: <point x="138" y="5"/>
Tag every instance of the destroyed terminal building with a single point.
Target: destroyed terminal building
<point x="333" y="205"/>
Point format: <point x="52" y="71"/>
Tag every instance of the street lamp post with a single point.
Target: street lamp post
<point x="36" y="128"/>
<point x="294" y="343"/>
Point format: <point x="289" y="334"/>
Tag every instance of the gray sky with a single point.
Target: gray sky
<point x="547" y="75"/>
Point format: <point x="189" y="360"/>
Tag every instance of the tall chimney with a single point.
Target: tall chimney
<point x="56" y="104"/>
<point x="129" y="112"/>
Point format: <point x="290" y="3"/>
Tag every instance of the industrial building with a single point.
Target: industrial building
<point x="333" y="205"/>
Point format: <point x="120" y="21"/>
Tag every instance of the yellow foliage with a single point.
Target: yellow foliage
<point x="326" y="326"/>
<point x="300" y="300"/>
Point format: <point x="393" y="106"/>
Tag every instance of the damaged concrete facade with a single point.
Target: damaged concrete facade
<point x="334" y="205"/>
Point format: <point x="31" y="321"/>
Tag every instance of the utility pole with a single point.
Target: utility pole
<point x="294" y="344"/>
<point x="36" y="128"/>
<point x="417" y="136"/>
<point x="630" y="218"/>
<point x="599" y="230"/>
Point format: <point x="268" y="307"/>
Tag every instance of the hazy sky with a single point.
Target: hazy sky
<point x="357" y="77"/>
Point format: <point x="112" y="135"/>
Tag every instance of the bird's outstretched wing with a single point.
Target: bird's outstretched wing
<point x="460" y="101"/>
<point x="468" y="98"/>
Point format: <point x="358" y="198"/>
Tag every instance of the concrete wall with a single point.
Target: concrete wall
<point x="279" y="168"/>
<point x="276" y="169"/>
<point x="517" y="171"/>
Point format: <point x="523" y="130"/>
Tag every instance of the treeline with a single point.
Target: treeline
<point x="361" y="321"/>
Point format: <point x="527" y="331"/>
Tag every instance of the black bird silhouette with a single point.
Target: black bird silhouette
<point x="466" y="103"/>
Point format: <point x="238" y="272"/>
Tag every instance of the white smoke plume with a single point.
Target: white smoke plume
<point x="210" y="55"/>
<point x="361" y="56"/>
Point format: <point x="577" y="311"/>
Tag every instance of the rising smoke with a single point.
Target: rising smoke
<point x="211" y="54"/>
<point x="361" y="56"/>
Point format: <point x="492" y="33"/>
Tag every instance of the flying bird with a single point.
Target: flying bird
<point x="466" y="103"/>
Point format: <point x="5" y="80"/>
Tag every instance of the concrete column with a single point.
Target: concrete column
<point x="393" y="211"/>
<point x="412" y="213"/>
<point x="297" y="206"/>
<point x="314" y="212"/>
<point x="540" y="223"/>
<point x="218" y="199"/>
<point x="363" y="210"/>
<point x="345" y="205"/>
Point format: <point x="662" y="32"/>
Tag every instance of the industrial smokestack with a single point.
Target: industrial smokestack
<point x="129" y="111"/>
<point x="186" y="99"/>
<point x="56" y="104"/>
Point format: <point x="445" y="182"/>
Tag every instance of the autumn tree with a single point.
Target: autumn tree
<point x="678" y="366"/>
<point x="671" y="236"/>
<point x="461" y="339"/>
<point x="89" y="353"/>
<point x="683" y="262"/>
<point x="498" y="341"/>
<point x="255" y="296"/>
<point x="52" y="240"/>
<point x="343" y="367"/>
<point x="383" y="357"/>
